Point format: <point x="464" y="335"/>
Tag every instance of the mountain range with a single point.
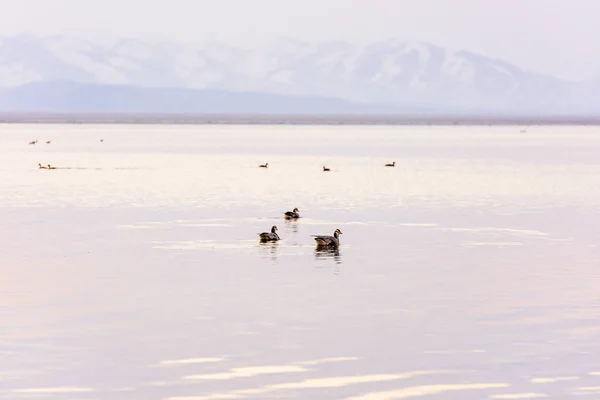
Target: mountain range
<point x="75" y="75"/>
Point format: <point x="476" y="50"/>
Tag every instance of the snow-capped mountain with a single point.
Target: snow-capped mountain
<point x="392" y="72"/>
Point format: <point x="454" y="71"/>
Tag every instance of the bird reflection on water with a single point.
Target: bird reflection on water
<point x="269" y="250"/>
<point x="292" y="223"/>
<point x="328" y="252"/>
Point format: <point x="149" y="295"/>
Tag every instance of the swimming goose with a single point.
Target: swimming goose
<point x="42" y="167"/>
<point x="326" y="169"/>
<point x="391" y="165"/>
<point x="269" y="236"/>
<point x="49" y="167"/>
<point x="48" y="142"/>
<point x="33" y="142"/>
<point x="265" y="165"/>
<point x="292" y="214"/>
<point x="328" y="241"/>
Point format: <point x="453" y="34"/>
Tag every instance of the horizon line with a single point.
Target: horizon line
<point x="291" y="119"/>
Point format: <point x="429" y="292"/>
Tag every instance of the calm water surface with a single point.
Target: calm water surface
<point x="469" y="271"/>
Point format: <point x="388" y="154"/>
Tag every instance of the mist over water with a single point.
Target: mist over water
<point x="468" y="271"/>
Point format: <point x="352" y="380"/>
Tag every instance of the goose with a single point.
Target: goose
<point x="325" y="169"/>
<point x="41" y="166"/>
<point x="50" y="167"/>
<point x="292" y="214"/>
<point x="328" y="241"/>
<point x="265" y="165"/>
<point x="391" y="165"/>
<point x="269" y="236"/>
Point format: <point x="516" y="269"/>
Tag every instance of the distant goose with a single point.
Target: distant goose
<point x="265" y="165"/>
<point x="33" y="142"/>
<point x="326" y="169"/>
<point x="101" y="140"/>
<point x="328" y="241"/>
<point x="50" y="167"/>
<point x="269" y="236"/>
<point x="391" y="165"/>
<point x="42" y="167"/>
<point x="48" y="142"/>
<point x="292" y="214"/>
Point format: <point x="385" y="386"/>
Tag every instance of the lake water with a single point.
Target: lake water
<point x="471" y="270"/>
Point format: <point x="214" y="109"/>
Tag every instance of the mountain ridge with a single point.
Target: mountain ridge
<point x="67" y="96"/>
<point x="393" y="73"/>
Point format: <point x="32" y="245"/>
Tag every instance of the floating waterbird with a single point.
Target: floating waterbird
<point x="265" y="165"/>
<point x="328" y="241"/>
<point x="391" y="165"/>
<point x="269" y="236"/>
<point x="292" y="214"/>
<point x="326" y="169"/>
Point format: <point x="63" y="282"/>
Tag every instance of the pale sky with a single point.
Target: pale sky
<point x="559" y="37"/>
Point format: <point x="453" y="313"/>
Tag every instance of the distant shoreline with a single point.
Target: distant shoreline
<point x="295" y="119"/>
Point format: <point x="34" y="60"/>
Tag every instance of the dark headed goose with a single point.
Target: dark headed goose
<point x="292" y="214"/>
<point x="328" y="241"/>
<point x="269" y="236"/>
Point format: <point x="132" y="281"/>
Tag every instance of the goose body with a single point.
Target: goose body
<point x="48" y="141"/>
<point x="41" y="166"/>
<point x="328" y="241"/>
<point x="269" y="236"/>
<point x="50" y="167"/>
<point x="292" y="214"/>
<point x="33" y="142"/>
<point x="265" y="165"/>
<point x="325" y="169"/>
<point x="391" y="165"/>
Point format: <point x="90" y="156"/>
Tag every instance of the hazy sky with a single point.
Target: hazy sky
<point x="561" y="37"/>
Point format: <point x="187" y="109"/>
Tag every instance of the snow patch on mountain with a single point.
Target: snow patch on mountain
<point x="391" y="71"/>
